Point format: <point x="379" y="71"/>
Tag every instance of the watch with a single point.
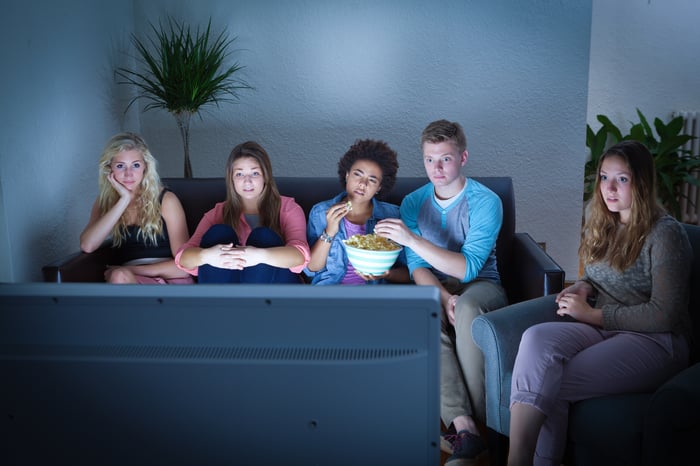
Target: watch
<point x="325" y="238"/>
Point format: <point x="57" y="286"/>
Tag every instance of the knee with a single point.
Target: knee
<point x="466" y="310"/>
<point x="120" y="275"/>
<point x="218" y="234"/>
<point x="539" y="332"/>
<point x="263" y="237"/>
<point x="539" y="339"/>
<point x="532" y="335"/>
<point x="467" y="307"/>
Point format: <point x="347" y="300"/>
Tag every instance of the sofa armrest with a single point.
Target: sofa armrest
<point x="79" y="267"/>
<point x="533" y="272"/>
<point x="498" y="334"/>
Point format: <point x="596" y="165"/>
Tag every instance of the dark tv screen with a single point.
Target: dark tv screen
<point x="98" y="374"/>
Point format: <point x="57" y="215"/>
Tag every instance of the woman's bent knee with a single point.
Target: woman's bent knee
<point x="120" y="275"/>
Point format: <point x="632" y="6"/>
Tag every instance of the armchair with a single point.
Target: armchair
<point x="633" y="429"/>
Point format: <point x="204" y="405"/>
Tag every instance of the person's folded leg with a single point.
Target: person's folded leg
<point x="218" y="234"/>
<point x="262" y="237"/>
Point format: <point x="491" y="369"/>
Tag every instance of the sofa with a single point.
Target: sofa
<point x="659" y="428"/>
<point x="526" y="270"/>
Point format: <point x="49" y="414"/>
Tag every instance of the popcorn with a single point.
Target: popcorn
<point x="372" y="242"/>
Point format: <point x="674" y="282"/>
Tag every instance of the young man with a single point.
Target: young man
<point x="449" y="228"/>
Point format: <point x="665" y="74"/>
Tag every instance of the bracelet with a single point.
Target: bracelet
<point x="326" y="238"/>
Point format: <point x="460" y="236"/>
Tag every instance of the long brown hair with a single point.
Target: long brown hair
<point x="603" y="236"/>
<point x="269" y="202"/>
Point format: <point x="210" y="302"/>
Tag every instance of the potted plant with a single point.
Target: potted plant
<point x="674" y="165"/>
<point x="181" y="71"/>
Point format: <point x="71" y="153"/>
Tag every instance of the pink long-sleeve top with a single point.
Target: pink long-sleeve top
<point x="292" y="223"/>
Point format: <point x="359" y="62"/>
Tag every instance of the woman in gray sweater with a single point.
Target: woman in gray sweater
<point x="631" y="327"/>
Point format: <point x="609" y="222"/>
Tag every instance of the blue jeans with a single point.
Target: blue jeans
<point x="261" y="237"/>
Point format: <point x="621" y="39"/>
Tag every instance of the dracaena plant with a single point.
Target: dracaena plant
<point x="181" y="70"/>
<point x="674" y="165"/>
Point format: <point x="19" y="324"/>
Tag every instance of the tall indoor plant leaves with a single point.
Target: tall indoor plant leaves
<point x="181" y="71"/>
<point x="674" y="165"/>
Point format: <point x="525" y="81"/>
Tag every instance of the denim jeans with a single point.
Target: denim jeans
<point x="261" y="237"/>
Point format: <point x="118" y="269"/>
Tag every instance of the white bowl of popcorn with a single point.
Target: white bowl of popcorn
<point x="371" y="254"/>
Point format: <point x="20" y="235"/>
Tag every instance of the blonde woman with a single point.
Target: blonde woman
<point x="145" y="222"/>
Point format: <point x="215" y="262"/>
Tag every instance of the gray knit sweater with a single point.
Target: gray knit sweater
<point x="651" y="295"/>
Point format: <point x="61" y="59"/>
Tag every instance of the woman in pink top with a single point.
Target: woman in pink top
<point x="256" y="235"/>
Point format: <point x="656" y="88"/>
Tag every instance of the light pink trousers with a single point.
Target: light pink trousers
<point x="559" y="363"/>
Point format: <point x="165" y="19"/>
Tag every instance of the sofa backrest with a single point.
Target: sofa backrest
<point x="198" y="195"/>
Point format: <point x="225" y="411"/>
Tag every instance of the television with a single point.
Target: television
<point x="100" y="374"/>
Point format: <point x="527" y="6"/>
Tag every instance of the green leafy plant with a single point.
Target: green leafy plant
<point x="674" y="165"/>
<point x="181" y="71"/>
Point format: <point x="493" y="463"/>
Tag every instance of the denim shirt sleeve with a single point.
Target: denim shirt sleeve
<point x="337" y="261"/>
<point x="334" y="271"/>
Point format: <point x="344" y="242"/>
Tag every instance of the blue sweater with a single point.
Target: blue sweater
<point x="469" y="225"/>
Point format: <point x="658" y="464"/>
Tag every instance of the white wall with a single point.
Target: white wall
<point x="5" y="256"/>
<point x="59" y="105"/>
<point x="327" y="72"/>
<point x="644" y="54"/>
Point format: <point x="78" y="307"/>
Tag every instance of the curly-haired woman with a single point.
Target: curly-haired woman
<point x="366" y="171"/>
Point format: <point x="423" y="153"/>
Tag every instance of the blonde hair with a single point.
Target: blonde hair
<point x="269" y="202"/>
<point x="604" y="237"/>
<point x="150" y="222"/>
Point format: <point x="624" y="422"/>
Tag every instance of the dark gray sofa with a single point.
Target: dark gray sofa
<point x="527" y="271"/>
<point x="659" y="428"/>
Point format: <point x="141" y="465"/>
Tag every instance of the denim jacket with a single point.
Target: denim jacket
<point x="337" y="261"/>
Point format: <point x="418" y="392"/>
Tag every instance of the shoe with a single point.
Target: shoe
<point x="446" y="441"/>
<point x="466" y="448"/>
